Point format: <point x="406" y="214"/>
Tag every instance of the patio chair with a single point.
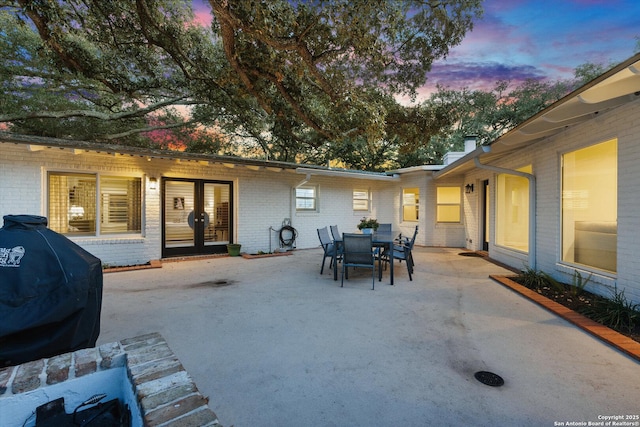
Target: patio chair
<point x="357" y="251"/>
<point x="327" y="245"/>
<point x="384" y="228"/>
<point x="405" y="240"/>
<point x="334" y="232"/>
<point x="402" y="252"/>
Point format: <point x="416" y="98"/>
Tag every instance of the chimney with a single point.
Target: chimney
<point x="469" y="143"/>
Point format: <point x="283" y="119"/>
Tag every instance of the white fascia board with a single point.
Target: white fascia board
<point x="347" y="174"/>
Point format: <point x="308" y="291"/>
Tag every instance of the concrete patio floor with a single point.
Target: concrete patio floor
<point x="272" y="342"/>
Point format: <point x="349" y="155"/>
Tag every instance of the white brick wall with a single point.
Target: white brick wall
<point x="262" y="198"/>
<point x="622" y="123"/>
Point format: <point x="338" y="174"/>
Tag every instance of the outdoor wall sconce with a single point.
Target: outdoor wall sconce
<point x="153" y="183"/>
<point x="468" y="188"/>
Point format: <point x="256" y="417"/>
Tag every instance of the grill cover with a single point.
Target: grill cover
<point x="50" y="292"/>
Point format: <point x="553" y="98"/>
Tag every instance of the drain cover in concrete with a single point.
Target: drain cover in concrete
<point x="489" y="378"/>
<point x="212" y="284"/>
<point x="470" y="254"/>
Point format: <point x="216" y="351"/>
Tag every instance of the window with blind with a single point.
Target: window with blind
<point x="86" y="204"/>
<point x="410" y="204"/>
<point x="361" y="199"/>
<point x="448" y="204"/>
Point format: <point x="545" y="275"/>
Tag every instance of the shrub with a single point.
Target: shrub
<point x="578" y="283"/>
<point x="616" y="312"/>
<point x="535" y="279"/>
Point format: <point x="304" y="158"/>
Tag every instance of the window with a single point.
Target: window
<point x="121" y="207"/>
<point x="361" y="200"/>
<point x="410" y="204"/>
<point x="306" y="198"/>
<point x="448" y="200"/>
<point x="512" y="211"/>
<point x="590" y="206"/>
<point x="74" y="207"/>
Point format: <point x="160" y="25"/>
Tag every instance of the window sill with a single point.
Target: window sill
<point x="449" y="225"/>
<point x="597" y="276"/>
<point x="101" y="240"/>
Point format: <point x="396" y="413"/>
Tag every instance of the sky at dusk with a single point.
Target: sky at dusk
<point x="540" y="39"/>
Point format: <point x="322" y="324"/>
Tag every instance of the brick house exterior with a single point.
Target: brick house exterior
<point x="262" y="194"/>
<point x="605" y="110"/>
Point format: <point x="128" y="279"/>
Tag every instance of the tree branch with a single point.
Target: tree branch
<point x="93" y="114"/>
<point x="142" y="130"/>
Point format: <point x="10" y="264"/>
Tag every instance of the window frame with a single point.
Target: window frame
<point x="314" y="199"/>
<point x="568" y="196"/>
<point x="416" y="204"/>
<point x="502" y="210"/>
<point x="458" y="204"/>
<point x="367" y="199"/>
<point x="97" y="200"/>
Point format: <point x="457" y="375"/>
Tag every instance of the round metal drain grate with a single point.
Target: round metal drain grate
<point x="489" y="378"/>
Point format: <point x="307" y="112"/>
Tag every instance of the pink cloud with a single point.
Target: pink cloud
<point x="202" y="13"/>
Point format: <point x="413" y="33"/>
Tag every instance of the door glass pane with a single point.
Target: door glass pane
<point x="178" y="204"/>
<point x="216" y="218"/>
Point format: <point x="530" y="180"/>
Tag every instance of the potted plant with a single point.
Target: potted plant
<point x="233" y="249"/>
<point x="368" y="225"/>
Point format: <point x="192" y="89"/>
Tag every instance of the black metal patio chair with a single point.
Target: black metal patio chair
<point x="357" y="251"/>
<point x="384" y="228"/>
<point x="402" y="252"/>
<point x="335" y="232"/>
<point x="328" y="246"/>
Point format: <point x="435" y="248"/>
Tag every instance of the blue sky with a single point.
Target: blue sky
<point x="540" y="39"/>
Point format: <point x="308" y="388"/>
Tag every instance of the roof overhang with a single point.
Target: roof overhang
<point x="616" y="87"/>
<point x="344" y="173"/>
<point x="422" y="168"/>
<point x="37" y="143"/>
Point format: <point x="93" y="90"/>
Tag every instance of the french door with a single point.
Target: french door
<point x="196" y="216"/>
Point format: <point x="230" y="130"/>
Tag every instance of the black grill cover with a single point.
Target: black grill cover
<point x="50" y="292"/>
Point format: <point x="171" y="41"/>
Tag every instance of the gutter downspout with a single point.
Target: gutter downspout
<point x="532" y="201"/>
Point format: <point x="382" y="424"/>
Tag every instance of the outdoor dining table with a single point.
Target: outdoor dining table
<point x="381" y="239"/>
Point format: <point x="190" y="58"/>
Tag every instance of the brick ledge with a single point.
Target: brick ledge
<point x="165" y="392"/>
